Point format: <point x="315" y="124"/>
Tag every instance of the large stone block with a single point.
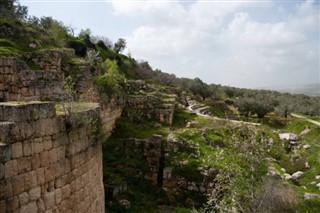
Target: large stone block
<point x="12" y="203"/>
<point x="49" y="200"/>
<point x="18" y="184"/>
<point x="23" y="198"/>
<point x="16" y="149"/>
<point x="35" y="161"/>
<point x="38" y="145"/>
<point x="28" y="148"/>
<point x="30" y="180"/>
<point x="31" y="111"/>
<point x="35" y="194"/>
<point x="41" y="176"/>
<point x="54" y="155"/>
<point x="29" y="208"/>
<point x="5" y="152"/>
<point x="24" y="165"/>
<point x="44" y="159"/>
<point x="10" y="168"/>
<point x="3" y="206"/>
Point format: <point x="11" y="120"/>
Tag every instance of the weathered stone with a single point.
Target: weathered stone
<point x="5" y="152"/>
<point x="297" y="175"/>
<point x="66" y="191"/>
<point x="3" y="206"/>
<point x="28" y="148"/>
<point x="308" y="196"/>
<point x="35" y="161"/>
<point x="58" y="196"/>
<point x="38" y="145"/>
<point x="29" y="208"/>
<point x="30" y="180"/>
<point x="35" y="193"/>
<point x="1" y="171"/>
<point x="18" y="184"/>
<point x="10" y="168"/>
<point x="12" y="203"/>
<point x="61" y="181"/>
<point x="49" y="199"/>
<point x="41" y="176"/>
<point x="24" y="165"/>
<point x="23" y="198"/>
<point x="41" y="206"/>
<point x="53" y="155"/>
<point x="44" y="159"/>
<point x="16" y="150"/>
<point x="47" y="143"/>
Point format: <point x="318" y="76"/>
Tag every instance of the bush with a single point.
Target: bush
<point x="79" y="47"/>
<point x="110" y="82"/>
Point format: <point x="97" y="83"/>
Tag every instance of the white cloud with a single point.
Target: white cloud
<point x="243" y="51"/>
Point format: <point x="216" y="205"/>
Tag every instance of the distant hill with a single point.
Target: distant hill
<point x="307" y="89"/>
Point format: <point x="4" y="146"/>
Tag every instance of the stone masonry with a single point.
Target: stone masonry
<point x="18" y="83"/>
<point x="43" y="166"/>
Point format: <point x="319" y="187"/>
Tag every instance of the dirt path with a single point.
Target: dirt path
<point x="199" y="111"/>
<point x="305" y="118"/>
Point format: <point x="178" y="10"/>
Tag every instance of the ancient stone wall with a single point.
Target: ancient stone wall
<point x="152" y="106"/>
<point x="161" y="171"/>
<point x="17" y="83"/>
<point x="46" y="165"/>
<point x="51" y="59"/>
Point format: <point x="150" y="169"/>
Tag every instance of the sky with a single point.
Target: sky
<point x="239" y="43"/>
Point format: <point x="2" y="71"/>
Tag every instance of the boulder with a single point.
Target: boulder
<point x="297" y="175"/>
<point x="307" y="146"/>
<point x="287" y="176"/>
<point x="288" y="136"/>
<point x="308" y="196"/>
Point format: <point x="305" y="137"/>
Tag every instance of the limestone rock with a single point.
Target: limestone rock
<point x="297" y="175"/>
<point x="287" y="176"/>
<point x="307" y="146"/>
<point x="308" y="196"/>
<point x="288" y="136"/>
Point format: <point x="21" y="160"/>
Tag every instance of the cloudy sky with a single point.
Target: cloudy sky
<point x="238" y="43"/>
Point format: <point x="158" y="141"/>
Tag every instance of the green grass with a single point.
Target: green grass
<point x="9" y="51"/>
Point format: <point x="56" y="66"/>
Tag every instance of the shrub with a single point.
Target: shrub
<point x="79" y="47"/>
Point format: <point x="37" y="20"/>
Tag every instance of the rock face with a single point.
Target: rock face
<point x="46" y="167"/>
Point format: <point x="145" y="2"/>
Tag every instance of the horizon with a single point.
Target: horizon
<point x="246" y="44"/>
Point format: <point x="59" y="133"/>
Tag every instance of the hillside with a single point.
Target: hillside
<point x="168" y="144"/>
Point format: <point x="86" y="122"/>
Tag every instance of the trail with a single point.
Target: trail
<point x="305" y="118"/>
<point x="201" y="110"/>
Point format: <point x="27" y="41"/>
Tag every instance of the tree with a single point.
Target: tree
<point x="120" y="45"/>
<point x="84" y="33"/>
<point x="110" y="82"/>
<point x="12" y="8"/>
<point x="198" y="87"/>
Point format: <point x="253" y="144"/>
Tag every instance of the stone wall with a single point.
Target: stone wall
<point x="17" y="83"/>
<point x="46" y="167"/>
<point x="151" y="106"/>
<point x="162" y="172"/>
<point x="51" y="59"/>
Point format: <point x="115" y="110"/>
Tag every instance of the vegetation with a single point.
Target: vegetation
<point x="237" y="157"/>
